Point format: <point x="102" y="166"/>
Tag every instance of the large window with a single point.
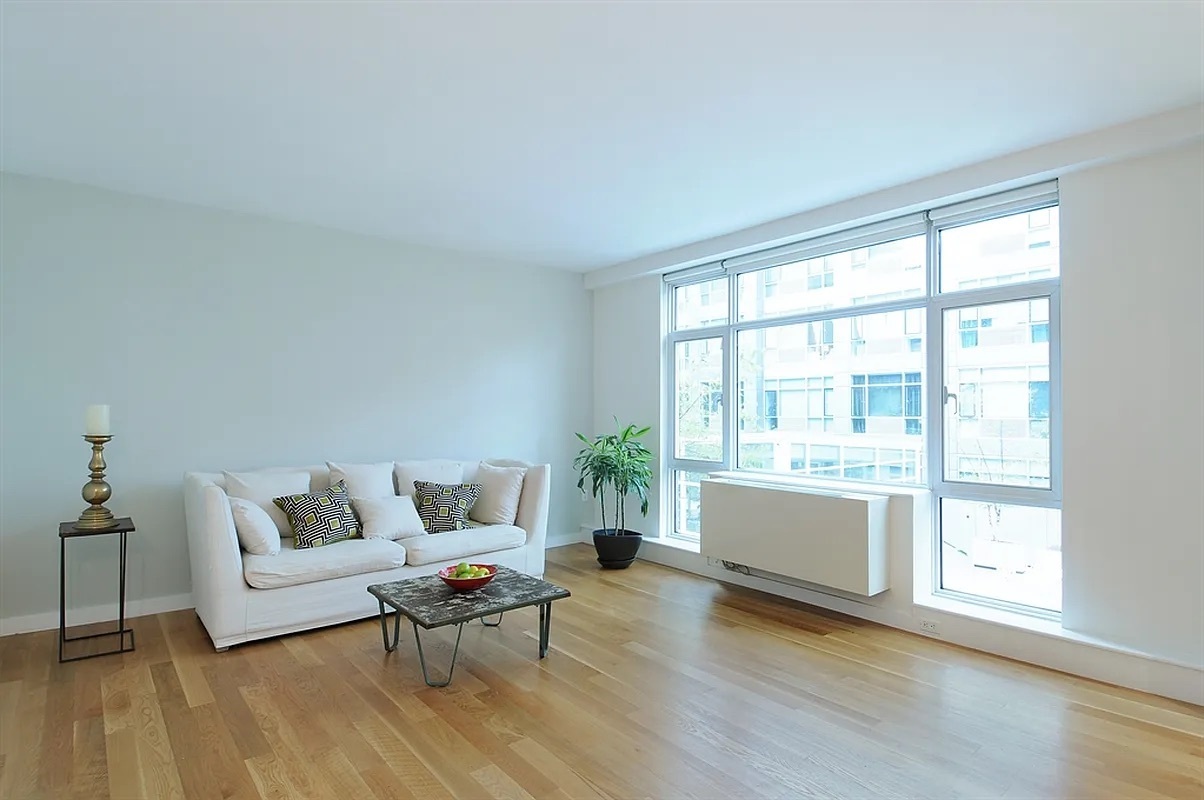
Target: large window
<point x="920" y="351"/>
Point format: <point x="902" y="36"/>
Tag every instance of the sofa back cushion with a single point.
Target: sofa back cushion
<point x="388" y="517"/>
<point x="261" y="488"/>
<point x="501" y="489"/>
<point x="364" y="480"/>
<point x="432" y="471"/>
<point x="257" y="534"/>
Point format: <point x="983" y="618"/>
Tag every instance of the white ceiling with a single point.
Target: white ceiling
<point x="575" y="134"/>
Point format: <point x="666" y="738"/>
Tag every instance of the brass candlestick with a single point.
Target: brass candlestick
<point x="96" y="491"/>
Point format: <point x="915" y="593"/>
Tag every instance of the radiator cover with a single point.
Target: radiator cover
<point x="831" y="538"/>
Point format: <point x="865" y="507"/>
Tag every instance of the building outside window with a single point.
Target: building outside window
<point x="832" y="349"/>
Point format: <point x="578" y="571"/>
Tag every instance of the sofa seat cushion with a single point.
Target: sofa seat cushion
<point x="454" y="545"/>
<point x="349" y="557"/>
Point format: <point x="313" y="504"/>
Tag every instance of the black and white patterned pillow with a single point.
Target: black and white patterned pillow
<point x="444" y="507"/>
<point x="320" y="517"/>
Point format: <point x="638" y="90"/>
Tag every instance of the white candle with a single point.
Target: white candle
<point x="96" y="421"/>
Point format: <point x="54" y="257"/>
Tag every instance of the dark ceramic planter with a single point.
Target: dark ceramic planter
<point x="616" y="551"/>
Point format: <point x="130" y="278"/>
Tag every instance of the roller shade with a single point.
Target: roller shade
<point x="1041" y="195"/>
<point x="695" y="274"/>
<point x="863" y="236"/>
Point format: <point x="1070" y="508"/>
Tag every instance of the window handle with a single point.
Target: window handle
<point x="951" y="396"/>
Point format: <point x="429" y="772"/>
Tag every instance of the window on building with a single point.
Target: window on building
<point x="772" y="277"/>
<point x="892" y="395"/>
<point x="798" y="458"/>
<point x="823" y="459"/>
<point x="771" y="409"/>
<point x="821" y="335"/>
<point x="829" y="357"/>
<point x="821" y="273"/>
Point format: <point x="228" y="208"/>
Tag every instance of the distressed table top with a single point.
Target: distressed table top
<point x="432" y="603"/>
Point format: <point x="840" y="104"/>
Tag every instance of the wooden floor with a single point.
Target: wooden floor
<point x="658" y="685"/>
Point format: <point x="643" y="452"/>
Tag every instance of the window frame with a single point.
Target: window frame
<point x="1051" y="497"/>
<point x="932" y="303"/>
<point x="1048" y="289"/>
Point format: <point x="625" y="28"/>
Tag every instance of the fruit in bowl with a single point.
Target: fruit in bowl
<point x="465" y="577"/>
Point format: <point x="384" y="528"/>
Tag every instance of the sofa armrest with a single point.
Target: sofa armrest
<point x="533" y="514"/>
<point x="219" y="591"/>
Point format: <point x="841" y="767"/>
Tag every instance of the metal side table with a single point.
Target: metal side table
<point x="67" y="530"/>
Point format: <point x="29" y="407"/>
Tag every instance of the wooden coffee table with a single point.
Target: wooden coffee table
<point x="429" y="602"/>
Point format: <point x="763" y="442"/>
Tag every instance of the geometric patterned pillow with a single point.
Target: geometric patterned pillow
<point x="444" y="507"/>
<point x="321" y="517"/>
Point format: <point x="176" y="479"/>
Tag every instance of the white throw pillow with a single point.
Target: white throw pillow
<point x="501" y="488"/>
<point x="256" y="532"/>
<point x="434" y="471"/>
<point x="388" y="517"/>
<point x="261" y="487"/>
<point x="364" y="480"/>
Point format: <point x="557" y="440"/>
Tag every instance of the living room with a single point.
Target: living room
<point x="945" y="544"/>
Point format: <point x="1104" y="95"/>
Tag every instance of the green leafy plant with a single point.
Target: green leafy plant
<point x="618" y="464"/>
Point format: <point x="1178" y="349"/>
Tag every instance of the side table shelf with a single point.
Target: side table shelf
<point x="67" y="530"/>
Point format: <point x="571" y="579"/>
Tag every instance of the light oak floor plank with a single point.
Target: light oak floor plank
<point x="658" y="685"/>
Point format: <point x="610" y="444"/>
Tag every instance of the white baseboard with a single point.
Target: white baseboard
<point x="564" y="539"/>
<point x="1064" y="653"/>
<point x="49" y="620"/>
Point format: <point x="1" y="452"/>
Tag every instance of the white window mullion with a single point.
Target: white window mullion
<point x="731" y="399"/>
<point x="934" y="398"/>
<point x="668" y="396"/>
<point x="934" y="433"/>
<point x="1055" y="393"/>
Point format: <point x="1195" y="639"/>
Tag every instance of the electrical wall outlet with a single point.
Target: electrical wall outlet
<point x="931" y="627"/>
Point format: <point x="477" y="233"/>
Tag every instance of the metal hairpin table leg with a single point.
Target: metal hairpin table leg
<point x="422" y="658"/>
<point x="545" y="628"/>
<point x="384" y="627"/>
<point x="493" y="624"/>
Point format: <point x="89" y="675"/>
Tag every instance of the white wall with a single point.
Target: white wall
<point x="1133" y="266"/>
<point x="1133" y="367"/>
<point x="228" y="341"/>
<point x="627" y="378"/>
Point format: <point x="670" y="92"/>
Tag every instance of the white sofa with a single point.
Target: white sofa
<point x="328" y="585"/>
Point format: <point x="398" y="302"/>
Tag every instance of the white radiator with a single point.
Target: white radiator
<point x="831" y="538"/>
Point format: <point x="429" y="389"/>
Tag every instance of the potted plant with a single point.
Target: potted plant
<point x="616" y="464"/>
